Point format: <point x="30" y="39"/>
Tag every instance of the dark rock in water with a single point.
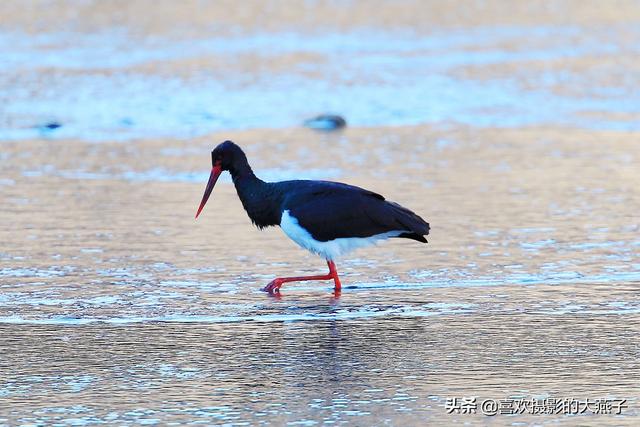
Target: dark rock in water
<point x="326" y="122"/>
<point x="50" y="126"/>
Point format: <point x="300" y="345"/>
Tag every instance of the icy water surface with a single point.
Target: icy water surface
<point x="115" y="83"/>
<point x="517" y="141"/>
<point x="116" y="306"/>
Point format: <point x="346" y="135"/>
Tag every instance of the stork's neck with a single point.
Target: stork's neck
<point x="260" y="199"/>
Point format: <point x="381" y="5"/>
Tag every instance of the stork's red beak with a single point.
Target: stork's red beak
<point x="215" y="173"/>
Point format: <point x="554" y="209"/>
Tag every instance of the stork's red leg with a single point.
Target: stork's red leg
<point x="275" y="284"/>
<point x="334" y="275"/>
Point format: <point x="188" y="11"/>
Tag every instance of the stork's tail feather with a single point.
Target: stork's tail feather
<point x="410" y="221"/>
<point x="413" y="236"/>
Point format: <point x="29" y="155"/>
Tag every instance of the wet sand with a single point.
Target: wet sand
<point x="116" y="306"/>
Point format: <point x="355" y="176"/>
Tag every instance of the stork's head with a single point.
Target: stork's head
<point x="227" y="156"/>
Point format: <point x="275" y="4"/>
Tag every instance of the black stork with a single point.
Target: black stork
<point x="327" y="218"/>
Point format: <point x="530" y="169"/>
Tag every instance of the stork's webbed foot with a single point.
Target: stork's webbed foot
<point x="274" y="286"/>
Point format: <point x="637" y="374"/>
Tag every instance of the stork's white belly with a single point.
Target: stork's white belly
<point x="331" y="249"/>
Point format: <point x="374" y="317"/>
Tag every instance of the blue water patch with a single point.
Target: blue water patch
<point x="160" y="305"/>
<point x="53" y="271"/>
<point x="372" y="78"/>
<point x="163" y="175"/>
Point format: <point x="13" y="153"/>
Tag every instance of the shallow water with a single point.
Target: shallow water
<point x="518" y="143"/>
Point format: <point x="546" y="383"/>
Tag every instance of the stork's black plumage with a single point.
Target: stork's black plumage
<point x="332" y="210"/>
<point x="328" y="218"/>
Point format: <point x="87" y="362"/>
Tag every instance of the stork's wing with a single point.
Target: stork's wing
<point x="330" y="211"/>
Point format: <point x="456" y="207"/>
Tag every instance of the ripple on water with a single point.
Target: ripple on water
<point x="162" y="175"/>
<point x="337" y="314"/>
<point x="53" y="271"/>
